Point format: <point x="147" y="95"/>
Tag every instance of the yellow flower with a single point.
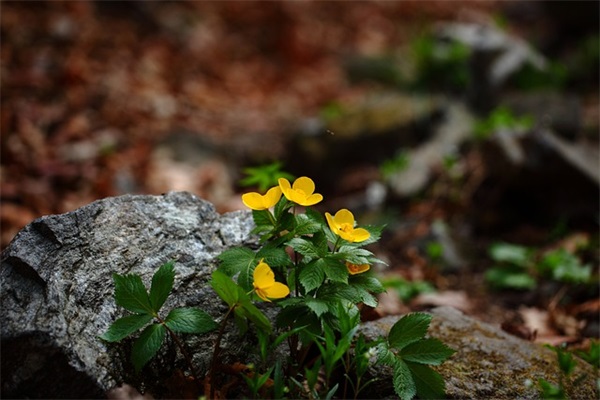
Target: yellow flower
<point x="342" y="224"/>
<point x="354" y="269"/>
<point x="301" y="192"/>
<point x="256" y="201"/>
<point x="265" y="285"/>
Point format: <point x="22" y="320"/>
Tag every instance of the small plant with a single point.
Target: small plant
<point x="131" y="294"/>
<point x="566" y="364"/>
<point x="315" y="269"/>
<point x="406" y="289"/>
<point x="501" y="118"/>
<point x="440" y="63"/>
<point x="520" y="267"/>
<point x="394" y="165"/>
<point x="410" y="354"/>
<point x="264" y="176"/>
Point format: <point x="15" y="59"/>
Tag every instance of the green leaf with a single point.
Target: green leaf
<point x="510" y="253"/>
<point x="429" y="383"/>
<point x="146" y="346"/>
<point x="511" y="277"/>
<point x="311" y="276"/>
<point x="130" y="293"/>
<point x="249" y="311"/>
<point x="281" y="207"/>
<point x="261" y="219"/>
<point x="190" y="320"/>
<point x="125" y="326"/>
<point x="236" y="259"/>
<point x="162" y="283"/>
<point x="306" y="225"/>
<point x="304" y="247"/>
<point x="409" y="329"/>
<point x="334" y="269"/>
<point x="319" y="307"/>
<point x="404" y="384"/>
<point x="384" y="354"/>
<point x="226" y="288"/>
<point x="564" y="266"/>
<point x="273" y="255"/>
<point x="426" y="351"/>
<point x="366" y="282"/>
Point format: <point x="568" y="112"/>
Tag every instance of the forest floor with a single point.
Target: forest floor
<point x="107" y="98"/>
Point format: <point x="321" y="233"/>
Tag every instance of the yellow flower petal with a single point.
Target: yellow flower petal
<point x="263" y="276"/>
<point x="304" y="184"/>
<point x="342" y="224"/>
<point x="264" y="283"/>
<point x="313" y="199"/>
<point x="301" y="191"/>
<point x="360" y="235"/>
<point x="272" y="196"/>
<point x="256" y="201"/>
<point x="354" y="269"/>
<point x="253" y="201"/>
<point x="277" y="291"/>
<point x="284" y="184"/>
<point x="344" y="216"/>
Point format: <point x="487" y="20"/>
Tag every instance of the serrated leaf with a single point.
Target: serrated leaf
<point x="366" y="298"/>
<point x="262" y="220"/>
<point x="366" y="282"/>
<point x="190" y="320"/>
<point x="409" y="329"/>
<point x="311" y="276"/>
<point x="384" y="354"/>
<point x="162" y="283"/>
<point x="304" y="247"/>
<point x="273" y="255"/>
<point x="429" y="383"/>
<point x="317" y="306"/>
<point x="334" y="269"/>
<point x="130" y="293"/>
<point x="226" y="288"/>
<point x="281" y="207"/>
<point x="125" y="326"/>
<point x="236" y="259"/>
<point x="354" y="255"/>
<point x="427" y="351"/>
<point x="306" y="225"/>
<point x="404" y="384"/>
<point x="146" y="346"/>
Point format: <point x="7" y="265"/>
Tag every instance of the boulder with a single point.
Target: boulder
<point x="488" y="363"/>
<point x="57" y="291"/>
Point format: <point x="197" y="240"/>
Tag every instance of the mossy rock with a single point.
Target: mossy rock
<point x="488" y="363"/>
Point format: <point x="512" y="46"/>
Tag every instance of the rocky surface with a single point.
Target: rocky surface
<point x="57" y="297"/>
<point x="57" y="289"/>
<point x="489" y="363"/>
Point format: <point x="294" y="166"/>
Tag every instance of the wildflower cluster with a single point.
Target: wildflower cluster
<point x="316" y="270"/>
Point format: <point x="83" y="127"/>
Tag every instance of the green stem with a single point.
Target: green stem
<point x="335" y="245"/>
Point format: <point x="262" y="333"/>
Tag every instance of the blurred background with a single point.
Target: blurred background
<point x="463" y="126"/>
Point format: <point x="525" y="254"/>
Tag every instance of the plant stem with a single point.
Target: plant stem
<point x="182" y="349"/>
<point x="217" y="349"/>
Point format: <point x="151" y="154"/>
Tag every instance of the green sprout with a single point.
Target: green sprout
<point x="264" y="176"/>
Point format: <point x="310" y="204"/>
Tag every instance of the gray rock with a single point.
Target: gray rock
<point x="57" y="290"/>
<point x="489" y="363"/>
